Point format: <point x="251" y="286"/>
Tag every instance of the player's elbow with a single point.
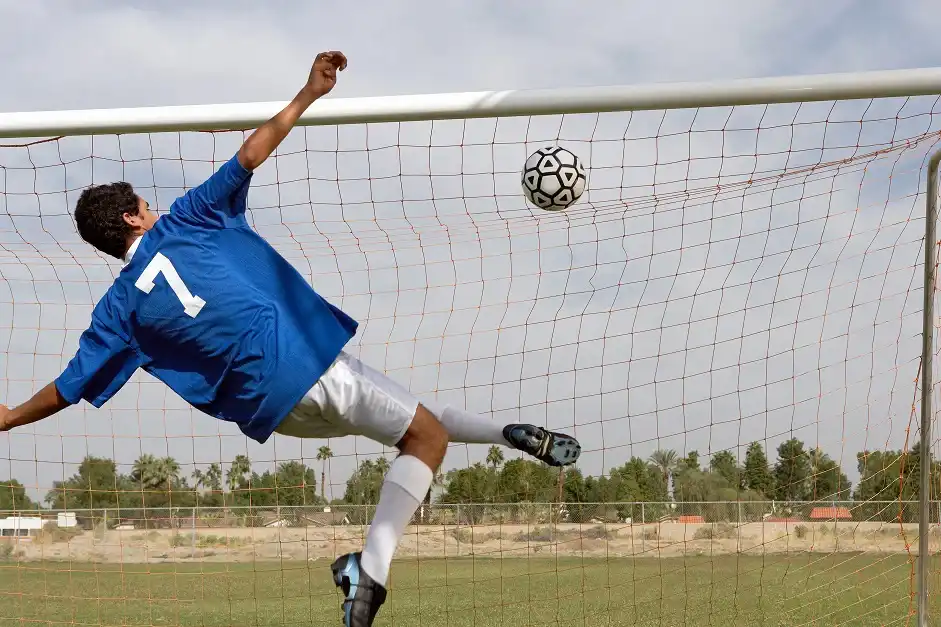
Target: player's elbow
<point x="249" y="157"/>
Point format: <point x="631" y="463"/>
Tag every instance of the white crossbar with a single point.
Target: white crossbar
<point x="480" y="104"/>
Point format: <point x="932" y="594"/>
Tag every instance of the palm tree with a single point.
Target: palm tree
<point x="323" y="455"/>
<point x="818" y="460"/>
<point x="495" y="456"/>
<point x="145" y="471"/>
<point x="199" y="479"/>
<point x="168" y="473"/>
<point x="382" y="466"/>
<point x="213" y="478"/>
<point x="665" y="461"/>
<point x="241" y="466"/>
<point x="437" y="478"/>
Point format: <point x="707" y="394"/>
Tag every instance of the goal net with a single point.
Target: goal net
<point x="730" y="321"/>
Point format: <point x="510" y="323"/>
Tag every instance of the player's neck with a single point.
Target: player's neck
<point x="130" y="245"/>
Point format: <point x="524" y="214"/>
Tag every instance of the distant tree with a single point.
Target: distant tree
<point x="296" y="484"/>
<point x="214" y="477"/>
<point x="696" y="486"/>
<point x="157" y="485"/>
<point x="891" y="475"/>
<point x="723" y="464"/>
<point x="291" y="484"/>
<point x="199" y="479"/>
<point x="525" y="481"/>
<point x="237" y="479"/>
<point x="146" y="472"/>
<point x="640" y="481"/>
<point x="168" y="473"/>
<point x="574" y="489"/>
<point x="13" y="497"/>
<point x="666" y="462"/>
<point x="94" y="488"/>
<point x="207" y="486"/>
<point x="324" y="454"/>
<point x="235" y="476"/>
<point x="911" y="471"/>
<point x="437" y="480"/>
<point x="756" y="475"/>
<point x="495" y="457"/>
<point x="690" y="462"/>
<point x="474" y="484"/>
<point x="363" y="487"/>
<point x="827" y="480"/>
<point x="792" y="472"/>
<point x="620" y="493"/>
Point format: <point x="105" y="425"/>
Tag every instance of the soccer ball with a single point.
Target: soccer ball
<point x="553" y="178"/>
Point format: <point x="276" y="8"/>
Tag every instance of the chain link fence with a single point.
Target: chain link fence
<point x="733" y="512"/>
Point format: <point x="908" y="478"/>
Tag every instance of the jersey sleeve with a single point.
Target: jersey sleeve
<point x="221" y="200"/>
<point x="104" y="362"/>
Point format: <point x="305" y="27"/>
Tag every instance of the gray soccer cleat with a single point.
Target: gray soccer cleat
<point x="362" y="596"/>
<point x="555" y="449"/>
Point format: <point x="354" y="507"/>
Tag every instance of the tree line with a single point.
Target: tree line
<point x="799" y="473"/>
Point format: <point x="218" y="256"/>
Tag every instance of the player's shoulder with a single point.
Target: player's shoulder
<point x="180" y="217"/>
<point x="174" y="226"/>
<point x="114" y="308"/>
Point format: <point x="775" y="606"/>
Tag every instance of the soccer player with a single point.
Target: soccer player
<point x="208" y="307"/>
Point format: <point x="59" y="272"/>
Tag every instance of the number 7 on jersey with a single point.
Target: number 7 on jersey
<point x="192" y="304"/>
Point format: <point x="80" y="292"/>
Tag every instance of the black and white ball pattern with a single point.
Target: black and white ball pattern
<point x="553" y="178"/>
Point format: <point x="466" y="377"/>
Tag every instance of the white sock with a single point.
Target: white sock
<point x="467" y="428"/>
<point x="403" y="490"/>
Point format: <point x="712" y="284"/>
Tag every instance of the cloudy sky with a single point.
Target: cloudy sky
<point x="659" y="313"/>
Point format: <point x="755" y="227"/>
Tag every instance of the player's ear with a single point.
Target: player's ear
<point x="138" y="217"/>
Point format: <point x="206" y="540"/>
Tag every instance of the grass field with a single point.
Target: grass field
<point x="844" y="589"/>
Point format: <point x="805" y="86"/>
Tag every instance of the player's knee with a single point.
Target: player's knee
<point x="433" y="433"/>
<point x="426" y="438"/>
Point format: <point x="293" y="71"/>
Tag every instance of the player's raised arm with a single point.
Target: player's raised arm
<point x="44" y="403"/>
<point x="260" y="144"/>
<point x="221" y="200"/>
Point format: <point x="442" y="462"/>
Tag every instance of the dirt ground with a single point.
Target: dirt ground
<point x="624" y="540"/>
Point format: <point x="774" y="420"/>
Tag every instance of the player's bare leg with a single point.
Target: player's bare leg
<point x="362" y="576"/>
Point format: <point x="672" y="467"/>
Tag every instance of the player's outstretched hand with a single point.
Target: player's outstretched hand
<point x="323" y="74"/>
<point x="4" y="418"/>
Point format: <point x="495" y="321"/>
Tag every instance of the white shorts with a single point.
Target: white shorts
<point x="352" y="399"/>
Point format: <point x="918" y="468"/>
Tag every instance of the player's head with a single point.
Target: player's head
<point x="110" y="216"/>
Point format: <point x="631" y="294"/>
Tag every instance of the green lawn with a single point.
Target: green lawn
<point x="843" y="589"/>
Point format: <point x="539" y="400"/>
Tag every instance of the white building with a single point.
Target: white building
<point x="66" y="520"/>
<point x="20" y="526"/>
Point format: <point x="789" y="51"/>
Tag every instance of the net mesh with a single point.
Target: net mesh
<point x="729" y="321"/>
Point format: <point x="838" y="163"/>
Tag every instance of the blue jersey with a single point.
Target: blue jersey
<point x="208" y="307"/>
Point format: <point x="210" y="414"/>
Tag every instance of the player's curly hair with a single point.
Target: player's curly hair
<point x="99" y="215"/>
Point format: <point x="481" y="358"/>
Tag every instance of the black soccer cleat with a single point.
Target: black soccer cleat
<point x="363" y="596"/>
<point x="555" y="449"/>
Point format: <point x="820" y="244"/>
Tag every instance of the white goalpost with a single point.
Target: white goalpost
<point x="736" y="320"/>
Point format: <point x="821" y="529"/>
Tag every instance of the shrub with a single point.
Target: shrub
<point x="52" y="533"/>
<point x="800" y="531"/>
<point x="598" y="532"/>
<point x="467" y="535"/>
<point x="718" y="531"/>
<point x="206" y="541"/>
<point x="539" y="534"/>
